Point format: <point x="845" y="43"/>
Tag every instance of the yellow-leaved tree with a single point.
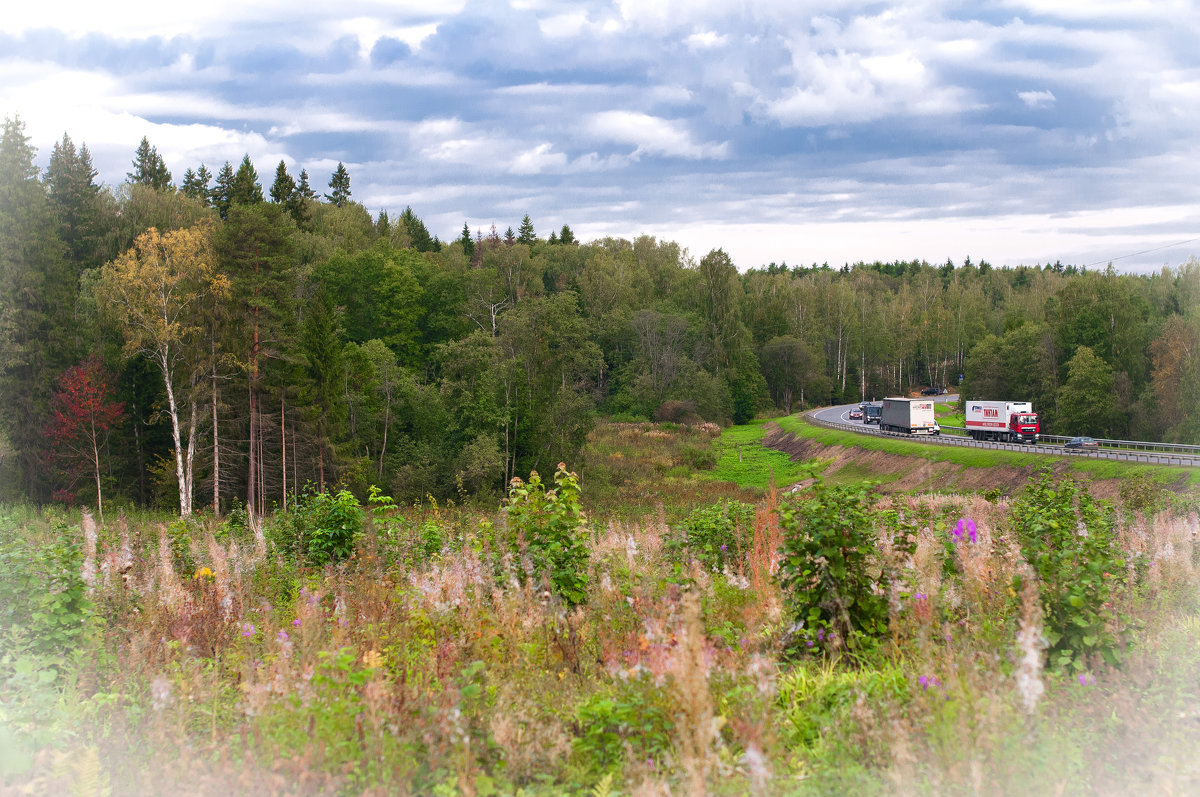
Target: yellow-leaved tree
<point x="157" y="292"/>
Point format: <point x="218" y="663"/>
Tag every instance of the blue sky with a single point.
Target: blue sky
<point x="1016" y="131"/>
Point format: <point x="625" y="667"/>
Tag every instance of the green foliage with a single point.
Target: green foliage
<point x="834" y="580"/>
<point x="322" y="527"/>
<point x="1069" y="541"/>
<point x="42" y="592"/>
<point x="721" y="533"/>
<point x="550" y="528"/>
<point x="633" y="720"/>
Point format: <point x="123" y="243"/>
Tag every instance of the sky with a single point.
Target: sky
<point x="797" y="131"/>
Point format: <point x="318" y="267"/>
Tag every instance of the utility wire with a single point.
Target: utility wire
<point x="1143" y="252"/>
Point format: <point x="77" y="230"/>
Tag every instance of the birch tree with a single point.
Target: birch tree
<point x="156" y="291"/>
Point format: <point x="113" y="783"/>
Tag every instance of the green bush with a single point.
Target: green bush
<point x="1069" y="540"/>
<point x="42" y="591"/>
<point x="719" y="533"/>
<point x="835" y="583"/>
<point x="322" y="527"/>
<point x="635" y="719"/>
<point x="550" y="528"/>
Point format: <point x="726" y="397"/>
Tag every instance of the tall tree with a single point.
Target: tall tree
<point x="37" y="300"/>
<point x="339" y="186"/>
<point x="196" y="184"/>
<point x="255" y="251"/>
<point x="244" y="188"/>
<point x="284" y="188"/>
<point x="222" y="192"/>
<point x="83" y="415"/>
<point x="525" y="234"/>
<point x="75" y="200"/>
<point x="156" y="291"/>
<point x="149" y="168"/>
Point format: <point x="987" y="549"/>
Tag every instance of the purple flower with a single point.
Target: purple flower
<point x="247" y="629"/>
<point x="820" y="633"/>
<point x="1086" y="679"/>
<point x="964" y="528"/>
<point x="282" y="636"/>
<point x="724" y="547"/>
<point x="927" y="681"/>
<point x="296" y="622"/>
<point x="809" y="643"/>
<point x="920" y="596"/>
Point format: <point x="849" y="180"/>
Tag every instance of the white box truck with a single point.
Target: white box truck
<point x="910" y="416"/>
<point x="1006" y="421"/>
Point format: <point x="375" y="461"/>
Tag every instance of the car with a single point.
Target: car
<point x="932" y="391"/>
<point x="1081" y="443"/>
<point x="856" y="414"/>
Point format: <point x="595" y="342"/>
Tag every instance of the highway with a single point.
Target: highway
<point x="838" y="417"/>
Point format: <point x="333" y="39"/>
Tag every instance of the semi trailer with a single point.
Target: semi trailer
<point x="910" y="416"/>
<point x="1006" y="421"/>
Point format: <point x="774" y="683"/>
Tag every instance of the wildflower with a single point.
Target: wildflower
<point x="1086" y="679"/>
<point x="927" y="681"/>
<point x="202" y="572"/>
<point x="724" y="547"/>
<point x="964" y="528"/>
<point x="248" y="629"/>
<point x="282" y="636"/>
<point x="372" y="659"/>
<point x="296" y="622"/>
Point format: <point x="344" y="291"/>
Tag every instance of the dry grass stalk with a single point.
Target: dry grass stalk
<point x="695" y="725"/>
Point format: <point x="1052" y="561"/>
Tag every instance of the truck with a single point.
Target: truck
<point x="1006" y="421"/>
<point x="911" y="416"/>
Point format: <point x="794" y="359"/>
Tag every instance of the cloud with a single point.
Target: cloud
<point x="651" y="135"/>
<point x="1037" y="99"/>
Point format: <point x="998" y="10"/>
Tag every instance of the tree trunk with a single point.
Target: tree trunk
<point x="216" y="442"/>
<point x="185" y="503"/>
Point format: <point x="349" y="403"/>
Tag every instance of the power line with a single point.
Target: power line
<point x="1143" y="252"/>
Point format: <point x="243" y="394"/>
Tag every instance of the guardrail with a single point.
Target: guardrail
<point x="1132" y="445"/>
<point x="1189" y="456"/>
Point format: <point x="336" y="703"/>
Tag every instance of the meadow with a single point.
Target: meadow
<point x="663" y="621"/>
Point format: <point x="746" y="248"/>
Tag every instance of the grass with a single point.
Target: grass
<point x="743" y="460"/>
<point x="986" y="458"/>
<point x="433" y="661"/>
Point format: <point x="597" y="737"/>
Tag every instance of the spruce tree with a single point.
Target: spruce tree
<point x="339" y="185"/>
<point x="283" y="190"/>
<point x="222" y="192"/>
<point x="525" y="234"/>
<point x="245" y="190"/>
<point x="468" y="243"/>
<point x="149" y="168"/>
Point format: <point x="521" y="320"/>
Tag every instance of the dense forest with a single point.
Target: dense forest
<point x="213" y="342"/>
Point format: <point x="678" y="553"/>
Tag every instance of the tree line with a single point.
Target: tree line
<point x="209" y="344"/>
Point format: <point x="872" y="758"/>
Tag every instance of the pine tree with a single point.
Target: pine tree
<point x="566" y="237"/>
<point x="222" y="192"/>
<point x="383" y="225"/>
<point x="149" y="168"/>
<point x="418" y="234"/>
<point x="284" y="187"/>
<point x="244" y="189"/>
<point x="74" y="198"/>
<point x="468" y="243"/>
<point x="339" y="185"/>
<point x="510" y="237"/>
<point x="526" y="235"/>
<point x="303" y="188"/>
<point x="195" y="184"/>
<point x="38" y="336"/>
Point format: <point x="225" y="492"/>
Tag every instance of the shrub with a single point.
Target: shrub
<point x="42" y="591"/>
<point x="322" y="527"/>
<point x="549" y="526"/>
<point x="1069" y="541"/>
<point x="634" y="719"/>
<point x="834" y="580"/>
<point x="719" y="533"/>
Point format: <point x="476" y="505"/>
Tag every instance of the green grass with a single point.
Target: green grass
<point x="985" y="458"/>
<point x="745" y="461"/>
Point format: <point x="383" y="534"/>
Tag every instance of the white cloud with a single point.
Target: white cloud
<point x="1037" y="99"/>
<point x="540" y="159"/>
<point x="651" y="135"/>
<point x="705" y="41"/>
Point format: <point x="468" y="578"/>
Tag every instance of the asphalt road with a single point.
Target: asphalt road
<point x="840" y="415"/>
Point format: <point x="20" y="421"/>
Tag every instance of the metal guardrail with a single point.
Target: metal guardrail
<point x="1184" y="458"/>
<point x="1131" y="445"/>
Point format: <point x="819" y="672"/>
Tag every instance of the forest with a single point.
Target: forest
<point x="234" y="340"/>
